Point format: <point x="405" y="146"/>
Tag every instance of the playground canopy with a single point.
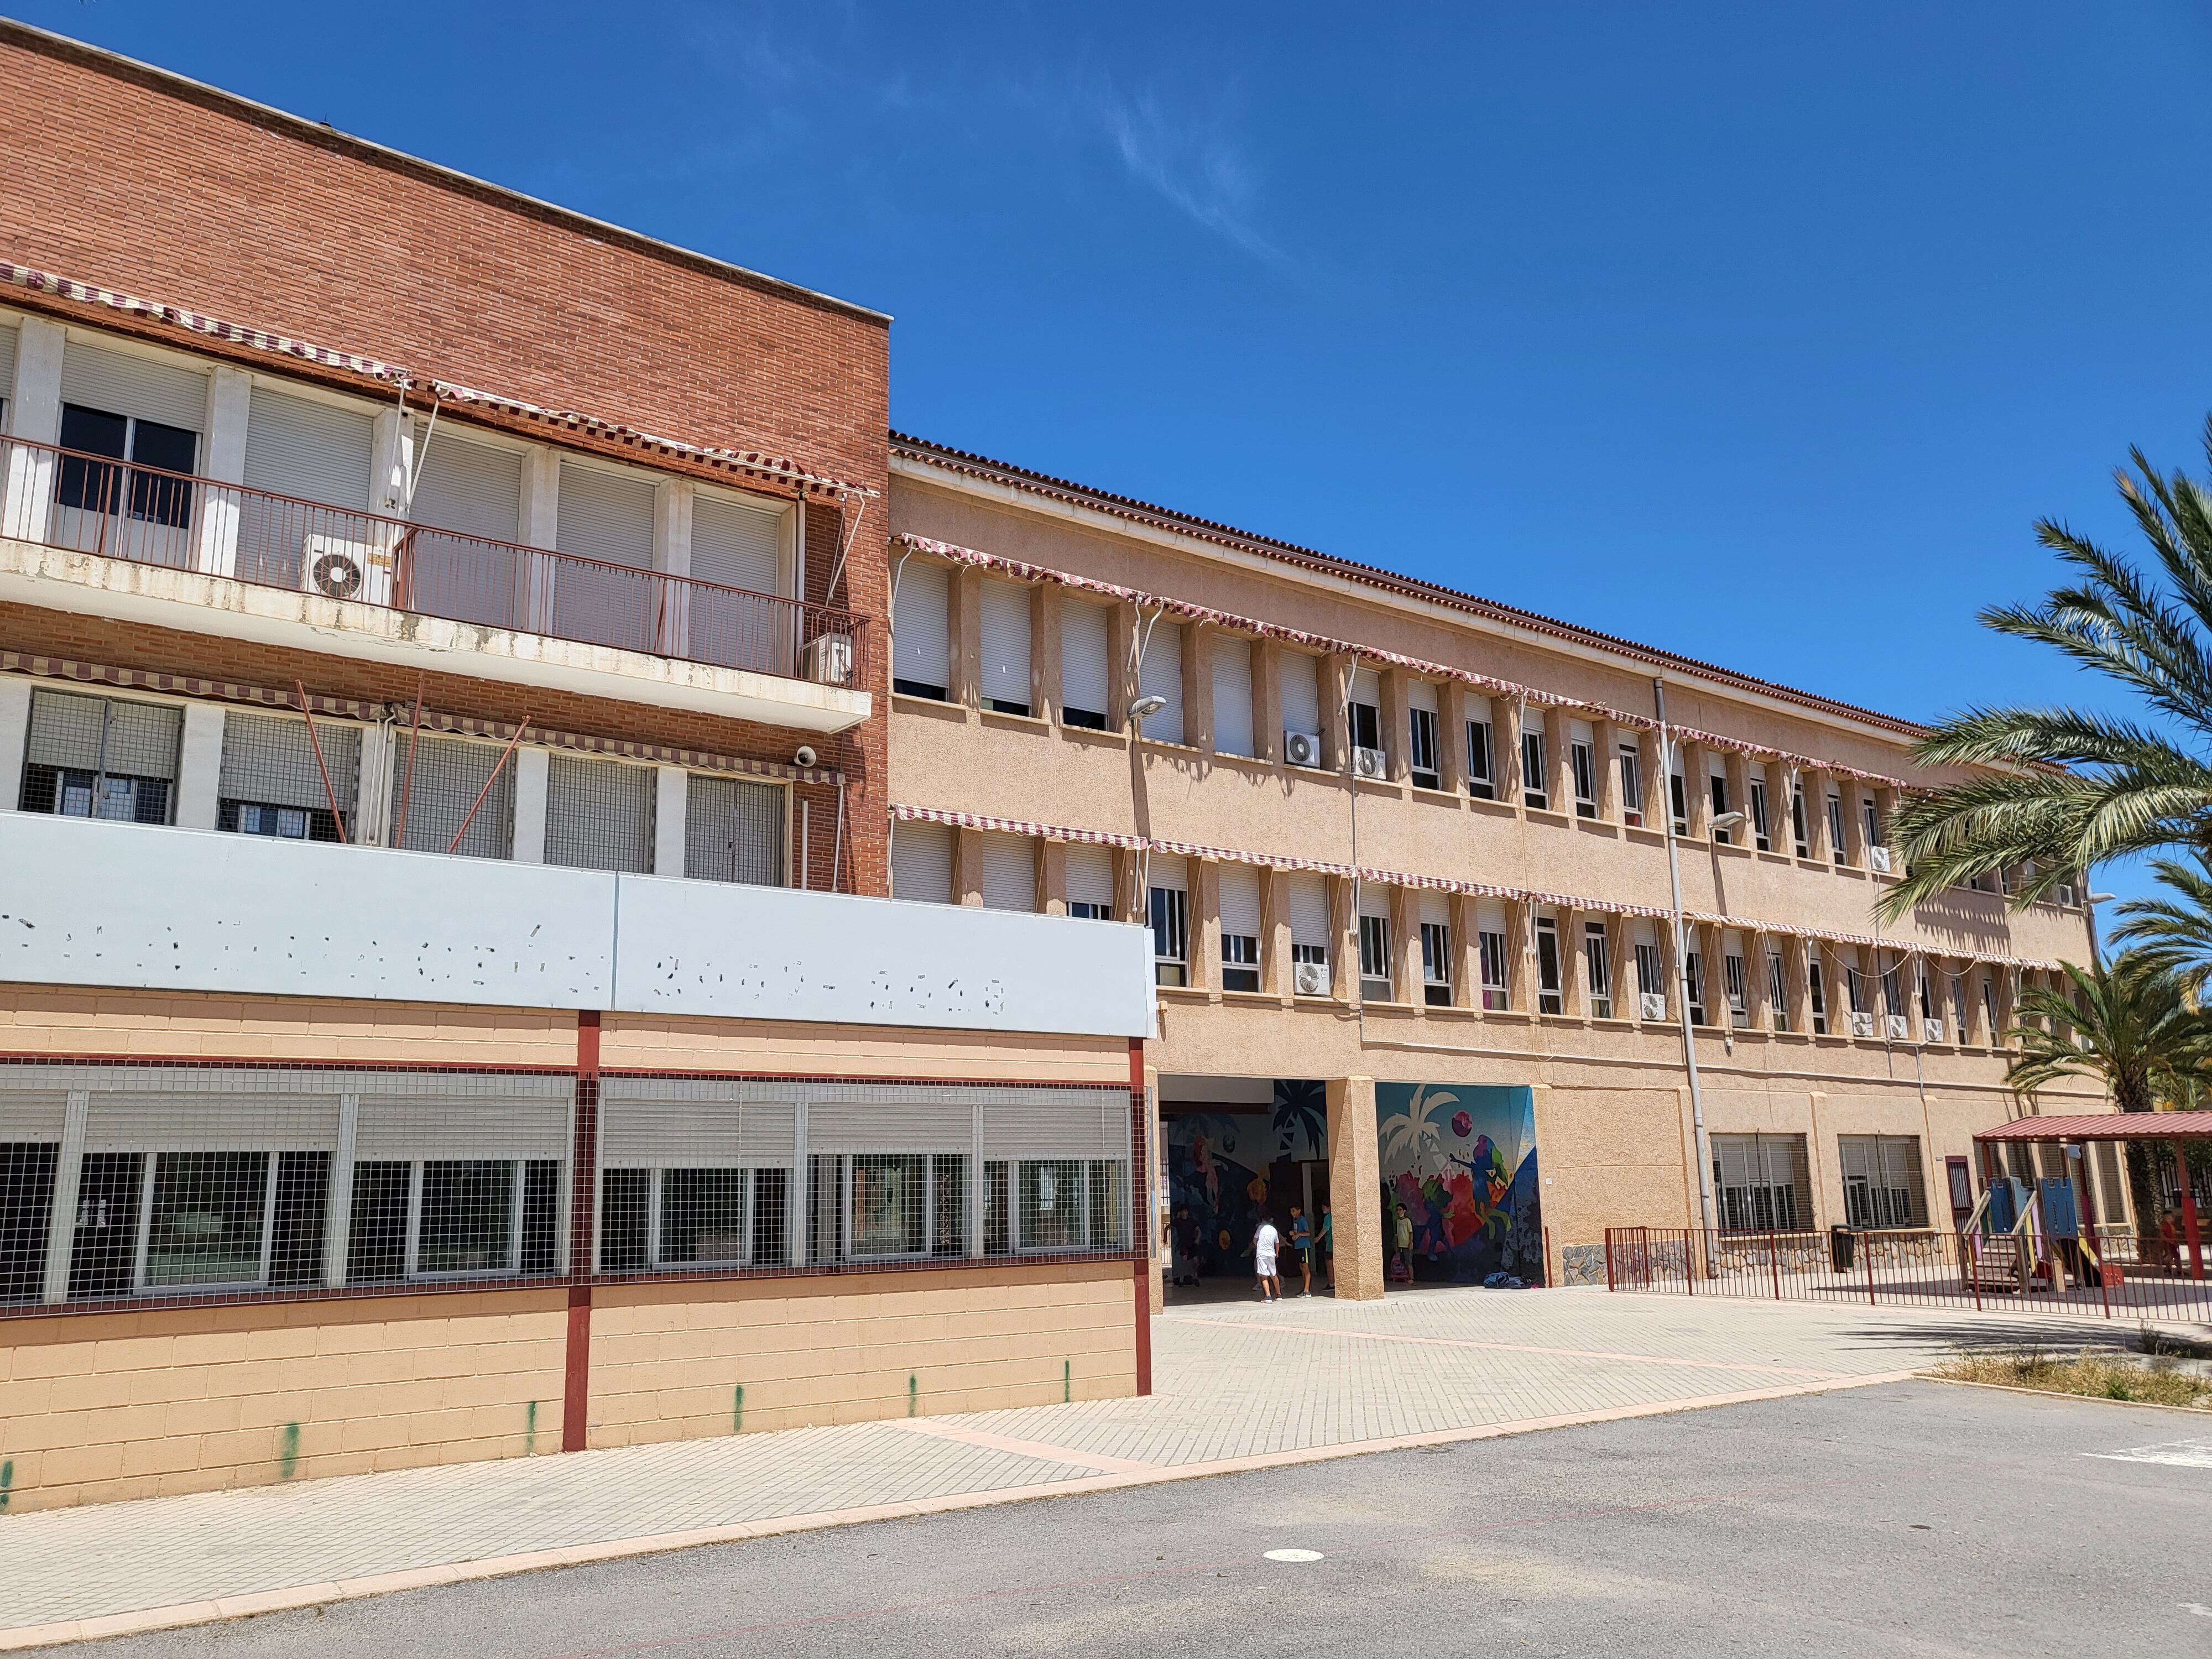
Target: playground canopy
<point x="2105" y="1126"/>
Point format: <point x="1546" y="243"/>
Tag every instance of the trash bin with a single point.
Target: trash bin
<point x="1843" y="1249"/>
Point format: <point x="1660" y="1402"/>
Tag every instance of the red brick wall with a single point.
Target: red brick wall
<point x="287" y="228"/>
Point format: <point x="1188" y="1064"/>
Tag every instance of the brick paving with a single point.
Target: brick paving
<point x="1238" y="1384"/>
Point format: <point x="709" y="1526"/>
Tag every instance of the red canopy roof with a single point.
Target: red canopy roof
<point x="2106" y="1126"/>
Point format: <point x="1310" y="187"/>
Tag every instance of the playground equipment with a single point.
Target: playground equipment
<point x="2020" y="1239"/>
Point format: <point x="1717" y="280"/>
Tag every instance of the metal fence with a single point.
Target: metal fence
<point x="161" y="1184"/>
<point x="120" y="509"/>
<point x="2122" y="1274"/>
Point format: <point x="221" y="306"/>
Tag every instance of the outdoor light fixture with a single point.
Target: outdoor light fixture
<point x="1144" y="707"/>
<point x="1726" y="820"/>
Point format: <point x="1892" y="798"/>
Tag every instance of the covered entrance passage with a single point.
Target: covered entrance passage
<point x="1238" y="1151"/>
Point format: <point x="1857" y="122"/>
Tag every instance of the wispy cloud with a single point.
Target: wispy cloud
<point x="1191" y="155"/>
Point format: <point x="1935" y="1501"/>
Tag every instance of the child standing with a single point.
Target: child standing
<point x="1302" y="1241"/>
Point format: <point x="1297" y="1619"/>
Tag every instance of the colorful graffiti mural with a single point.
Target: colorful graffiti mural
<point x="1221" y="1168"/>
<point x="1462" y="1158"/>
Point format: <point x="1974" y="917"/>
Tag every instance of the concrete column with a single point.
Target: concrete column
<point x="1451" y="740"/>
<point x="199" y="766"/>
<point x="1122" y="683"/>
<point x="1205" y="924"/>
<point x="1044" y="651"/>
<point x="1198" y="686"/>
<point x="1275" y="934"/>
<point x="1605" y="740"/>
<point x="1467" y="961"/>
<point x="1267" y="702"/>
<point x="1620" y="959"/>
<point x="1739" y="799"/>
<point x="222" y="459"/>
<point x="1653" y="766"/>
<point x="1397" y="738"/>
<point x="14" y="735"/>
<point x="540" y="527"/>
<point x="671" y="557"/>
<point x="1344" y="929"/>
<point x="35" y="415"/>
<point x="968" y="868"/>
<point x="1505" y="718"/>
<point x="530" y="774"/>
<point x="1567" y="928"/>
<point x="671" y="800"/>
<point x="1355" y="1188"/>
<point x="965" y="593"/>
<point x="1335" y="728"/>
<point x="1405" y="944"/>
<point x="1052" y="878"/>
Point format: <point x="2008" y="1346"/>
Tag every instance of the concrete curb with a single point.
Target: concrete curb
<point x="2040" y="1393"/>
<point x="180" y="1615"/>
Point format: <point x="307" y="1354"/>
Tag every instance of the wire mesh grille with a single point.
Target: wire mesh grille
<point x="273" y="785"/>
<point x="599" y="815"/>
<point x="102" y="757"/>
<point x="438" y="795"/>
<point x="733" y="831"/>
<point x="167" y="1183"/>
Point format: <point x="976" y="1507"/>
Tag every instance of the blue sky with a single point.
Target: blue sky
<point x="1760" y="332"/>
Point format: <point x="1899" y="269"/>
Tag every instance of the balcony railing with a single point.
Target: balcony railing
<point x="121" y="510"/>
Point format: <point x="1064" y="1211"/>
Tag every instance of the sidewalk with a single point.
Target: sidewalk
<point x="1239" y="1386"/>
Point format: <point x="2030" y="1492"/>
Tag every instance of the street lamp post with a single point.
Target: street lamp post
<point x="1682" y="979"/>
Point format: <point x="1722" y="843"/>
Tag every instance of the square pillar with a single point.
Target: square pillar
<point x="1052" y="878"/>
<point x="230" y="399"/>
<point x="1205" y="924"/>
<point x="967" y="869"/>
<point x="672" y="799"/>
<point x="1198" y="685"/>
<point x="1268" y="700"/>
<point x="1275" y="933"/>
<point x="531" y="769"/>
<point x="1466" y="958"/>
<point x="1355" y="1188"/>
<point x="199" y="769"/>
<point x="1605" y="744"/>
<point x="1344" y="930"/>
<point x="1397" y="738"/>
<point x="1335" y="721"/>
<point x="967" y="628"/>
<point x="1044" y="651"/>
<point x="1404" y="946"/>
<point x="35" y="415"/>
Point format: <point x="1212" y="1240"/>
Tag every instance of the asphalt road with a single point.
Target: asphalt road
<point x="1912" y="1519"/>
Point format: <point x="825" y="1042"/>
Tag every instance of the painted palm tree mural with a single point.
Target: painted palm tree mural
<point x="1462" y="1158"/>
<point x="1300" y="1118"/>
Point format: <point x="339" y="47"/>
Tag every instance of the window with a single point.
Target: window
<point x="1170" y="917"/>
<point x="1632" y="785"/>
<point x="921" y="863"/>
<point x="102" y="757"/>
<point x="233" y="1220"/>
<point x="1535" y="792"/>
<point x="1299" y="676"/>
<point x="1436" y="964"/>
<point x="1738" y="991"/>
<point x="1762" y="1183"/>
<point x="1073" y="1204"/>
<point x="1160" y="675"/>
<point x="1798" y="823"/>
<point x="1009" y="872"/>
<point x="1310" y="934"/>
<point x="1550" y="998"/>
<point x="1882" y="1180"/>
<point x="1581" y="763"/>
<point x="123" y="408"/>
<point x="1989" y="1007"/>
<point x="1958" y="1022"/>
<point x="1836" y="848"/>
<point x="1238" y="888"/>
<point x="1761" y="835"/>
<point x="1364" y="711"/>
<point x="1695" y="962"/>
<point x="1870" y="820"/>
<point x="91" y="486"/>
<point x="1597" y="966"/>
<point x="1004" y="629"/>
<point x="312" y="450"/>
<point x="1777" y="990"/>
<point x="1855" y="988"/>
<point x="599" y="814"/>
<point x="733" y="831"/>
<point x="1678" y="800"/>
<point x="1490" y="953"/>
<point x="1717" y="783"/>
<point x="452" y="1218"/>
<point x="1816" y="991"/>
<point x="921" y="630"/>
<point x="1374" y="975"/>
<point x="890" y="1203"/>
<point x="1090" y="882"/>
<point x="1421" y="746"/>
<point x="272" y="783"/>
<point x="1086" y="665"/>
<point x="698" y="1217"/>
<point x="1481" y="782"/>
<point x="1232" y="694"/>
<point x="1651" y="980"/>
<point x="439" y="792"/>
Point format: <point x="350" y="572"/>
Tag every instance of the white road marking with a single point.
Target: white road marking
<point x="2182" y="1454"/>
<point x="2197" y="1607"/>
<point x="1294" y="1555"/>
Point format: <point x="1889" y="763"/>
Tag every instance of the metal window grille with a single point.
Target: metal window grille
<point x="272" y="783"/>
<point x="1550" y="999"/>
<point x="733" y="831"/>
<point x="442" y="791"/>
<point x="102" y="757"/>
<point x="1597" y="960"/>
<point x="599" y="814"/>
<point x="1762" y="1182"/>
<point x="1882" y="1185"/>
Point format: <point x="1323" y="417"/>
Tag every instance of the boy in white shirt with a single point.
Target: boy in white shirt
<point x="1263" y="1257"/>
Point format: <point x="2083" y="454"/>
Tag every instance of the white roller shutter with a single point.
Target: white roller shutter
<point x="1421" y="694"/>
<point x="1168" y="870"/>
<point x="122" y="383"/>
<point x="1436" y="909"/>
<point x="1367" y="687"/>
<point x="1309" y="909"/>
<point x="315" y="451"/>
<point x="1374" y="899"/>
<point x="244" y="1120"/>
<point x="686" y="1132"/>
<point x="1240" y="900"/>
<point x="1581" y="732"/>
<point x="921" y="628"/>
<point x="1160" y="675"/>
<point x="1232" y="694"/>
<point x="1004" y="632"/>
<point x="1091" y="875"/>
<point x="1086" y="658"/>
<point x="881" y="1125"/>
<point x="1647" y="933"/>
<point x="921" y="862"/>
<point x="1490" y="917"/>
<point x="32" y="1114"/>
<point x="736" y="545"/>
<point x="1091" y="1125"/>
<point x="1301" y="676"/>
<point x="8" y="362"/>
<point x="1009" y="872"/>
<point x="468" y="488"/>
<point x="457" y="1125"/>
<point x="606" y="516"/>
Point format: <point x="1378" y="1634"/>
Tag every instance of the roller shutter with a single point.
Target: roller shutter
<point x="606" y="516"/>
<point x="1232" y="694"/>
<point x="1086" y="656"/>
<point x="1309" y="909"/>
<point x="1004" y="632"/>
<point x="921" y="863"/>
<point x="469" y="487"/>
<point x="736" y="545"/>
<point x="315" y="451"/>
<point x="122" y="383"/>
<point x="1009" y="872"/>
<point x="921" y="629"/>
<point x="1091" y="875"/>
<point x="1161" y="676"/>
<point x="1240" y="900"/>
<point x="1300" y="676"/>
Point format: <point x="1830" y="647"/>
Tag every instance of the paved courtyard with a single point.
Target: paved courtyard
<point x="1239" y="1387"/>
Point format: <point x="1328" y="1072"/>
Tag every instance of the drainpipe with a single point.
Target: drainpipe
<point x="1682" y="969"/>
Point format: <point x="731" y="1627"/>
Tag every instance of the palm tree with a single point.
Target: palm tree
<point x="2072" y="788"/>
<point x="2128" y="1023"/>
<point x="2174" y="933"/>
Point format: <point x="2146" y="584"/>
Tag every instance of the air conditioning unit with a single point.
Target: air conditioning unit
<point x="338" y="569"/>
<point x="1931" y="1031"/>
<point x="2064" y="894"/>
<point x="1878" y="860"/>
<point x="1302" y="748"/>
<point x="1370" y="762"/>
<point x="829" y="660"/>
<point x="1861" y="1024"/>
<point x="1894" y="1027"/>
<point x="1310" y="978"/>
<point x="1651" y="1005"/>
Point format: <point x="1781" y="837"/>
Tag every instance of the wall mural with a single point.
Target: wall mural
<point x="1462" y="1158"/>
<point x="1227" y="1168"/>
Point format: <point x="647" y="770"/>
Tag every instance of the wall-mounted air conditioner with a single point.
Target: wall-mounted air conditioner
<point x="1861" y="1024"/>
<point x="1895" y="1028"/>
<point x="1931" y="1031"/>
<point x="1651" y="1005"/>
<point x="1311" y="979"/>
<point x="1302" y="748"/>
<point x="1370" y="762"/>
<point x="829" y="660"/>
<point x="1878" y="860"/>
<point x="340" y="569"/>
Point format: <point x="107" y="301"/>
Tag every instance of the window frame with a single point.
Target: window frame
<point x="1597" y="968"/>
<point x="1436" y="964"/>
<point x="1551" y="980"/>
<point x="1482" y="774"/>
<point x="1581" y="765"/>
<point x="1168" y="910"/>
<point x="1421" y="749"/>
<point x="1535" y="790"/>
<point x="1375" y="949"/>
<point x="1495" y="966"/>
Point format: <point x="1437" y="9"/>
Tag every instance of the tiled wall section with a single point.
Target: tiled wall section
<point x="659" y="1043"/>
<point x="95" y="1407"/>
<point x="669" y="1362"/>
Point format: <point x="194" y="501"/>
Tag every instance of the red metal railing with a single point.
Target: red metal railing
<point x="2122" y="1275"/>
<point x="118" y="509"/>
